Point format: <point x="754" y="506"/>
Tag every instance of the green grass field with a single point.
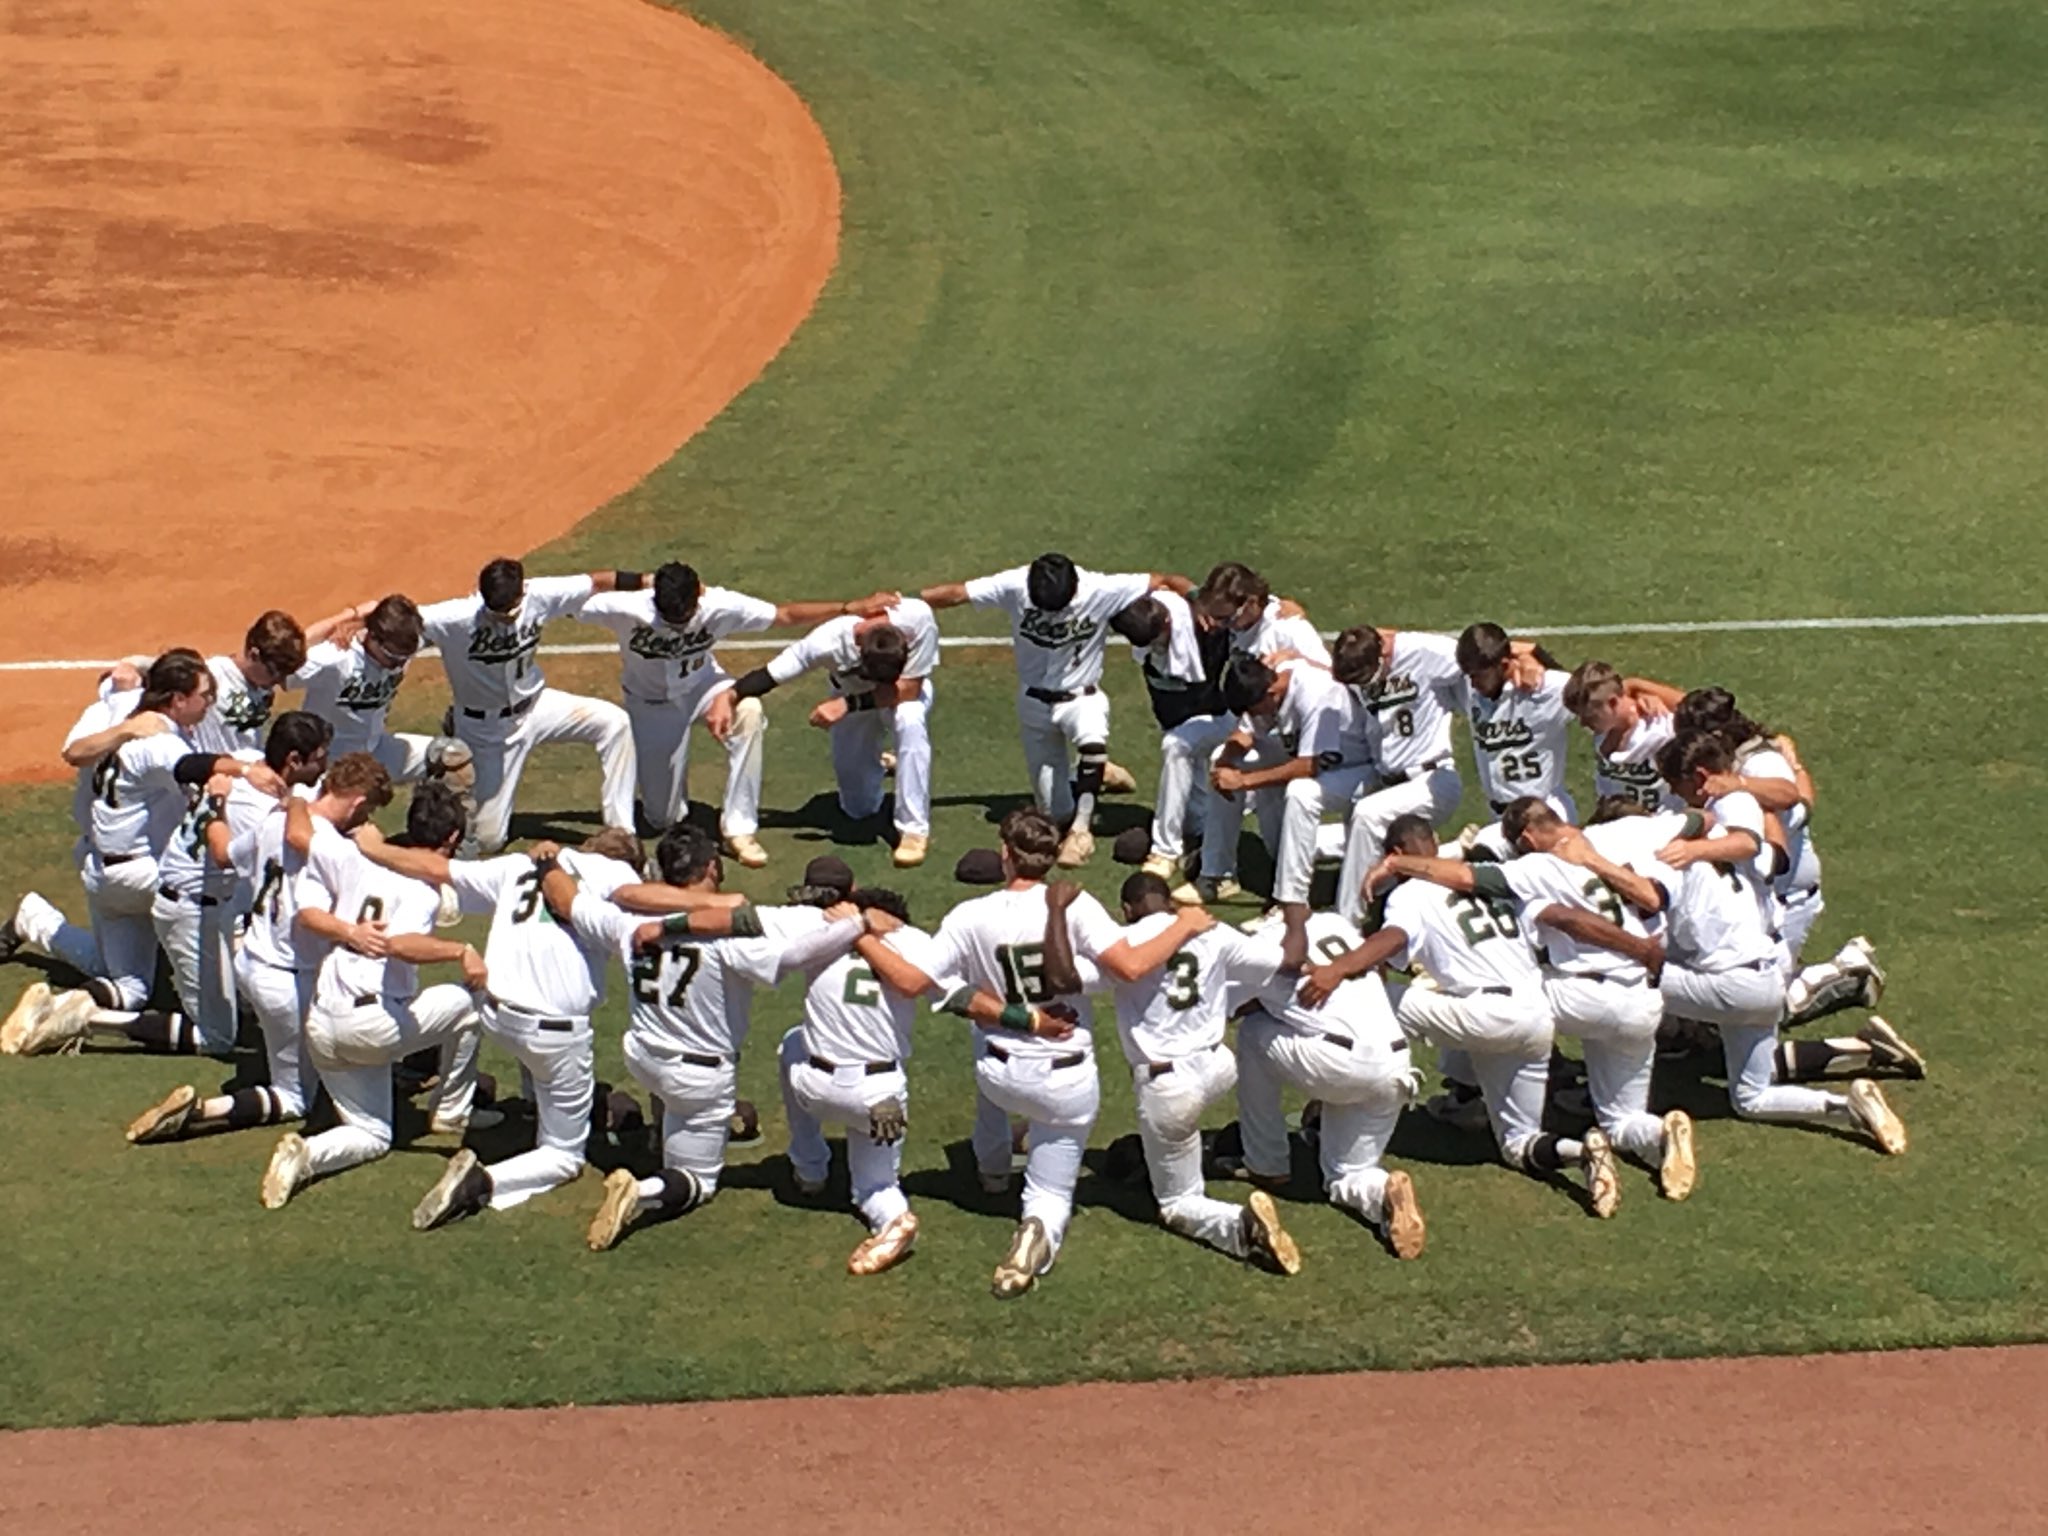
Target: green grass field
<point x="1557" y="313"/>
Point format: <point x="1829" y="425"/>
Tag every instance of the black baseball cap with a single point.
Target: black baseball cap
<point x="829" y="872"/>
<point x="979" y="866"/>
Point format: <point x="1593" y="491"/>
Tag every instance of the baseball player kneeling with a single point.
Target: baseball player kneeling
<point x="351" y="678"/>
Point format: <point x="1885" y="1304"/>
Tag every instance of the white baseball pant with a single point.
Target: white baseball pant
<point x="1052" y="733"/>
<point x="121" y="897"/>
<point x="857" y="761"/>
<point x="1507" y="1038"/>
<point x="1060" y="1104"/>
<point x="1798" y="911"/>
<point x="1363" y="1090"/>
<point x="353" y="1049"/>
<point x="197" y="936"/>
<point x="1185" y="755"/>
<point x="661" y="749"/>
<point x="501" y="748"/>
<point x="1223" y="816"/>
<point x="560" y="1076"/>
<point x="1745" y="1004"/>
<point x="279" y="998"/>
<point x="696" y="1108"/>
<point x="1615" y="1024"/>
<point x="1170" y="1107"/>
<point x="404" y="755"/>
<point x="814" y="1098"/>
<point x="1304" y="802"/>
<point x="43" y="927"/>
<point x="1432" y="792"/>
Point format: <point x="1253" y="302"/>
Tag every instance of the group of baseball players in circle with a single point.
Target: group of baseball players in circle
<point x="240" y="842"/>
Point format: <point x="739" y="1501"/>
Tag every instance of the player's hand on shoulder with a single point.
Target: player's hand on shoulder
<point x="368" y="835"/>
<point x="1380" y="876"/>
<point x="146" y="722"/>
<point x="1573" y="848"/>
<point x="1290" y="609"/>
<point x="1281" y="657"/>
<point x="880" y="922"/>
<point x="1525" y="671"/>
<point x="262" y="776"/>
<point x="124" y="676"/>
<point x="840" y="911"/>
<point x="546" y="851"/>
<point x="828" y="714"/>
<point x="647" y="936"/>
<point x="368" y="939"/>
<point x="1679" y="854"/>
<point x="1196" y="919"/>
<point x="1649" y="706"/>
<point x="218" y="786"/>
<point x="1317" y="984"/>
<point x="874" y="605"/>
<point x="1060" y="894"/>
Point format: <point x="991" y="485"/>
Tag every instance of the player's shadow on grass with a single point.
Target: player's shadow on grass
<point x="819" y="820"/>
<point x="566" y="827"/>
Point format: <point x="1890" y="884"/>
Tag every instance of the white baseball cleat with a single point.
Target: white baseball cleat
<point x="1867" y="1104"/>
<point x="165" y="1121"/>
<point x="1076" y="848"/>
<point x="1401" y="1215"/>
<point x="616" y="1211"/>
<point x="1265" y="922"/>
<point x="1159" y="864"/>
<point x="1679" y="1170"/>
<point x="462" y="1125"/>
<point x="1888" y="1048"/>
<point x="1603" y="1180"/>
<point x="463" y="1189"/>
<point x="1118" y="780"/>
<point x="912" y="848"/>
<point x="33" y="1003"/>
<point x="1029" y="1257"/>
<point x="886" y="1249"/>
<point x="291" y="1164"/>
<point x="60" y="1026"/>
<point x="1265" y="1237"/>
<point x="748" y="851"/>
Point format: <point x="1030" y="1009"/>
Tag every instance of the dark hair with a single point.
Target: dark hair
<point x="1228" y="587"/>
<point x="676" y="591"/>
<point x="358" y="773"/>
<point x="617" y="843"/>
<point x="1524" y="813"/>
<point x="1684" y="758"/>
<point x="1482" y="646"/>
<point x="276" y="640"/>
<point x="1147" y="892"/>
<point x="296" y="733"/>
<point x="884" y="652"/>
<point x="436" y="815"/>
<point x="1713" y="710"/>
<point x="1033" y="841"/>
<point x="1355" y="655"/>
<point x="1587" y="679"/>
<point x="1052" y="582"/>
<point x="395" y="624"/>
<point x="1244" y="682"/>
<point x="501" y="584"/>
<point x="882" y="899"/>
<point x="1142" y="622"/>
<point x="172" y="675"/>
<point x="685" y="854"/>
<point x="1615" y="808"/>
<point x="1403" y="830"/>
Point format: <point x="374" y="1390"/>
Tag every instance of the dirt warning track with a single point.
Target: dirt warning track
<point x="301" y="302"/>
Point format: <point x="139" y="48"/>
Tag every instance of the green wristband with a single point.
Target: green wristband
<point x="746" y="922"/>
<point x="676" y="923"/>
<point x="1016" y="1017"/>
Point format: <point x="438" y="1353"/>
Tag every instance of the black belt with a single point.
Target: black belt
<point x="1071" y="1059"/>
<point x="871" y="1068"/>
<point x="699" y="1059"/>
<point x="1404" y="777"/>
<point x="1050" y="696"/>
<point x="1161" y="1068"/>
<point x="1607" y="976"/>
<point x="553" y="1026"/>
<point x="369" y="999"/>
<point x="109" y="860"/>
<point x="172" y="893"/>
<point x="509" y="712"/>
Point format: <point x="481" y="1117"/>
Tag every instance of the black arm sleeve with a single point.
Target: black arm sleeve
<point x="1492" y="881"/>
<point x="754" y="684"/>
<point x="194" y="768"/>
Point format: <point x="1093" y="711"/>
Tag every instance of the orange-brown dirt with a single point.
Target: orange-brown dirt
<point x="1862" y="1445"/>
<point x="302" y="302"/>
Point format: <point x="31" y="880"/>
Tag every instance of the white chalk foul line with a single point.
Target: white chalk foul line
<point x="1650" y="627"/>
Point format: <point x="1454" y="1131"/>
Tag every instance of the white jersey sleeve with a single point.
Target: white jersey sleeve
<point x="478" y="883"/>
<point x="830" y="645"/>
<point x="1008" y="590"/>
<point x="556" y="597"/>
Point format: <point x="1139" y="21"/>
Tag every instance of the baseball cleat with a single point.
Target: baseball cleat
<point x="1888" y="1048"/>
<point x="809" y="1188"/>
<point x="32" y="1005"/>
<point x="748" y="851"/>
<point x="61" y="1026"/>
<point x="1461" y="1109"/>
<point x="1076" y="848"/>
<point x="1187" y="894"/>
<point x="911" y="850"/>
<point x="462" y="1190"/>
<point x="165" y="1121"/>
<point x="1603" y="1181"/>
<point x="886" y="1249"/>
<point x="1265" y="1237"/>
<point x="1265" y="922"/>
<point x="1118" y="780"/>
<point x="290" y="1165"/>
<point x="1679" y="1169"/>
<point x="450" y="760"/>
<point x="1162" y="866"/>
<point x="1866" y="1103"/>
<point x="616" y="1211"/>
<point x="996" y="1183"/>
<point x="1029" y="1257"/>
<point x="462" y="1125"/>
<point x="1402" y="1217"/>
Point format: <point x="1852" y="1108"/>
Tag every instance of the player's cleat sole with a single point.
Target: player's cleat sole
<point x="886" y="1249"/>
<point x="1603" y="1179"/>
<point x="747" y="851"/>
<point x="33" y="1003"/>
<point x="1867" y="1104"/>
<point x="1402" y="1215"/>
<point x="290" y="1165"/>
<point x="450" y="760"/>
<point x="1076" y="848"/>
<point x="1186" y="894"/>
<point x="1159" y="864"/>
<point x="165" y="1121"/>
<point x="1888" y="1048"/>
<point x="462" y="1190"/>
<point x="60" y="1026"/>
<point x="615" y="1212"/>
<point x="911" y="851"/>
<point x="1266" y="1238"/>
<point x="1678" y="1171"/>
<point x="1029" y="1257"/>
<point x="1118" y="780"/>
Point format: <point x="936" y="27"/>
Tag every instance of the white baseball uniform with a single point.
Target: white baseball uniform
<point x="1194" y="725"/>
<point x="196" y="907"/>
<point x="1318" y="718"/>
<point x="1350" y="1054"/>
<point x="1410" y="708"/>
<point x="1628" y="767"/>
<point x="1060" y="702"/>
<point x="997" y="943"/>
<point x="347" y="687"/>
<point x="668" y="678"/>
<point x="1520" y="742"/>
<point x="504" y="709"/>
<point x="278" y="960"/>
<point x="1797" y="884"/>
<point x="239" y="714"/>
<point x="857" y="738"/>
<point x="1274" y="631"/>
<point x="139" y="803"/>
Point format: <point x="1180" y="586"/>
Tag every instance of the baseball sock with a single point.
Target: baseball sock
<point x="1551" y="1154"/>
<point x="1094" y="758"/>
<point x="165" y="1033"/>
<point x="1801" y="1060"/>
<point x="672" y="1191"/>
<point x="247" y="1107"/>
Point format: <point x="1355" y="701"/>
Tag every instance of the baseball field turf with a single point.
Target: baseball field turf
<point x="1559" y="314"/>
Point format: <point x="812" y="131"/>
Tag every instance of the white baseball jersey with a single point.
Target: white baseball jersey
<point x="372" y="893"/>
<point x="1722" y="917"/>
<point x="240" y="711"/>
<point x="491" y="664"/>
<point x="1540" y="880"/>
<point x="1759" y="760"/>
<point x="185" y="866"/>
<point x="347" y="688"/>
<point x="1059" y="649"/>
<point x="1628" y="768"/>
<point x="1411" y="706"/>
<point x="1467" y="944"/>
<point x="1358" y="1009"/>
<point x="1318" y="718"/>
<point x="850" y="1016"/>
<point x="282" y="883"/>
<point x="835" y="646"/>
<point x="997" y="943"/>
<point x="1176" y="656"/>
<point x="1273" y="632"/>
<point x="662" y="663"/>
<point x="1520" y="739"/>
<point x="537" y="965"/>
<point x="137" y="801"/>
<point x="1181" y="1007"/>
<point x="102" y="714"/>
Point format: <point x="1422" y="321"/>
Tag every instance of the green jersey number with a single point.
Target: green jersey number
<point x="1602" y="896"/>
<point x="862" y="989"/>
<point x="648" y="965"/>
<point x="1481" y="918"/>
<point x="1023" y="967"/>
